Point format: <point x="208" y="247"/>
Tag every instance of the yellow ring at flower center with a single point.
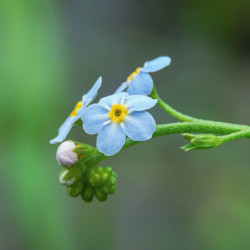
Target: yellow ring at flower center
<point x="74" y="112"/>
<point x="118" y="113"/>
<point x="131" y="76"/>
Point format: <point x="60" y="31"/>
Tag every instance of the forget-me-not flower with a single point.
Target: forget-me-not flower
<point x="140" y="81"/>
<point x="116" y="116"/>
<point x="77" y="112"/>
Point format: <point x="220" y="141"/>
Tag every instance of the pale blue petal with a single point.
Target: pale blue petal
<point x="139" y="126"/>
<point x="62" y="127"/>
<point x="93" y="117"/>
<point x="92" y="93"/>
<point x="156" y="64"/>
<point x="142" y="84"/>
<point x="64" y="130"/>
<point x="122" y="87"/>
<point x="139" y="102"/>
<point x="112" y="99"/>
<point x="110" y="139"/>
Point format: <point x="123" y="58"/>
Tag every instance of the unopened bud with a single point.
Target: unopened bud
<point x="100" y="194"/>
<point x="65" y="179"/>
<point x="75" y="189"/>
<point x="65" y="154"/>
<point x="206" y="141"/>
<point x="201" y="142"/>
<point x="69" y="176"/>
<point x="88" y="193"/>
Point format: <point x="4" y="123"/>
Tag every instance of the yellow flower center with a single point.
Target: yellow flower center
<point x="118" y="113"/>
<point x="131" y="76"/>
<point x="74" y="112"/>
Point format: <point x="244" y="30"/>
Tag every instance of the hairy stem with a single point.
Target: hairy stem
<point x="231" y="132"/>
<point x="185" y="118"/>
<point x="200" y="127"/>
<point x="173" y="112"/>
<point x="236" y="135"/>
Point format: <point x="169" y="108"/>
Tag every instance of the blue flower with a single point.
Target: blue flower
<point x="77" y="112"/>
<point x="116" y="116"/>
<point x="140" y="81"/>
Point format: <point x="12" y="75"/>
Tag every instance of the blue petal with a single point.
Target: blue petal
<point x="91" y="95"/>
<point x="112" y="99"/>
<point x="156" y="64"/>
<point x="64" y="130"/>
<point x="142" y="84"/>
<point x="93" y="118"/>
<point x="139" y="102"/>
<point x="139" y="126"/>
<point x="110" y="139"/>
<point x="122" y="87"/>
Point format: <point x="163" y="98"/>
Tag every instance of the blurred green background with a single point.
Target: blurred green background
<point x="52" y="52"/>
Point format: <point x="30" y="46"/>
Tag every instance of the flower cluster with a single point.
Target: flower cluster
<point x="115" y="117"/>
<point x="125" y="114"/>
<point x="119" y="115"/>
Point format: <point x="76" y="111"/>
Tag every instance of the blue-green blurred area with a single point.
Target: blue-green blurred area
<point x="52" y="52"/>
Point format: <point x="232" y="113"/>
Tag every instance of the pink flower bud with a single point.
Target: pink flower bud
<point x="65" y="154"/>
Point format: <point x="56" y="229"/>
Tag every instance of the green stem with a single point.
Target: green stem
<point x="185" y="118"/>
<point x="198" y="124"/>
<point x="200" y="127"/>
<point x="178" y="115"/>
<point x="231" y="132"/>
<point x="236" y="135"/>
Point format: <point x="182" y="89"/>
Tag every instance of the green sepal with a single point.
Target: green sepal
<point x="75" y="189"/>
<point x="190" y="147"/>
<point x="84" y="151"/>
<point x="77" y="123"/>
<point x="188" y="136"/>
<point x="88" y="193"/>
<point x="70" y="175"/>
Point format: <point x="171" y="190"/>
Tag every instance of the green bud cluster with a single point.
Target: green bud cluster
<point x="201" y="142"/>
<point x="98" y="182"/>
<point x="85" y="179"/>
<point x="103" y="180"/>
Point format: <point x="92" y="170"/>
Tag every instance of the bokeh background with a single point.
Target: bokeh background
<point x="52" y="52"/>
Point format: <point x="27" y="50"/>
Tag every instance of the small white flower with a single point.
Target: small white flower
<point x="65" y="154"/>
